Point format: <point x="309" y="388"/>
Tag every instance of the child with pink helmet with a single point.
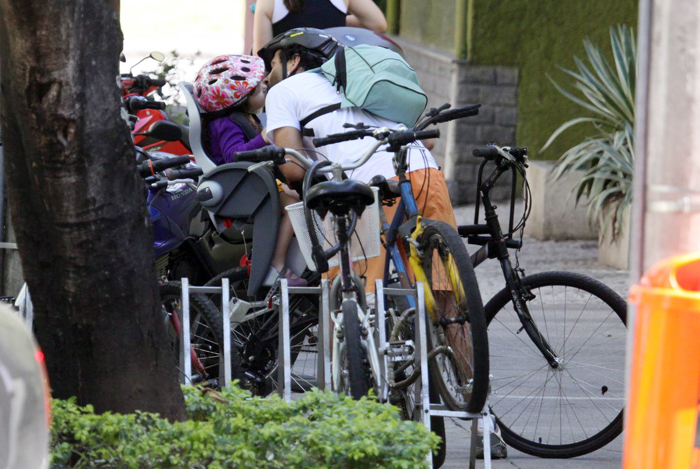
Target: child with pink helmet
<point x="230" y="89"/>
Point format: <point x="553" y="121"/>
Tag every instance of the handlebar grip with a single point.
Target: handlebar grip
<point x="471" y="110"/>
<point x="156" y="81"/>
<point x="423" y="134"/>
<point x="488" y="152"/>
<point x="337" y="138"/>
<point x="150" y="167"/>
<point x="270" y="152"/>
<point x="249" y="155"/>
<point x="173" y="174"/>
<point x="137" y="103"/>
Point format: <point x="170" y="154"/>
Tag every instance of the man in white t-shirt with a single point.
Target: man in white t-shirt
<point x="294" y="95"/>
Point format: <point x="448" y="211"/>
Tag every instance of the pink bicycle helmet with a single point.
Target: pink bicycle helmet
<point x="227" y="80"/>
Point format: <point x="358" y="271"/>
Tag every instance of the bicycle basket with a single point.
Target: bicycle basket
<point x="365" y="242"/>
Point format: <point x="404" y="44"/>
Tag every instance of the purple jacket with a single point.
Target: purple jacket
<point x="226" y="137"/>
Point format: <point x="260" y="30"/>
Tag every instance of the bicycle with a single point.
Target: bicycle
<point x="355" y="364"/>
<point x="538" y="388"/>
<point x="438" y="258"/>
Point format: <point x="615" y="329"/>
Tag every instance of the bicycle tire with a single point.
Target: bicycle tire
<point x="258" y="359"/>
<point x="462" y="381"/>
<point x="354" y="360"/>
<point x="206" y="332"/>
<point x="548" y="288"/>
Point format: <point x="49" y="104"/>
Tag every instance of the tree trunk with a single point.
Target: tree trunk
<point x="78" y="207"/>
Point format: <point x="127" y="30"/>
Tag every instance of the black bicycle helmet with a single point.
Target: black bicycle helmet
<point x="315" y="40"/>
<point x="351" y="36"/>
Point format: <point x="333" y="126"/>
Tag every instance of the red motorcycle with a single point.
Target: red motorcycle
<point x="136" y="95"/>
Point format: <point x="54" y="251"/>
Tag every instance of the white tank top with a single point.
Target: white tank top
<point x="280" y="11"/>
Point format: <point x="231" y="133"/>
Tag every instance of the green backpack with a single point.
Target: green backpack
<point x="376" y="80"/>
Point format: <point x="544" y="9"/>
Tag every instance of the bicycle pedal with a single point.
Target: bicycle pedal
<point x="400" y="350"/>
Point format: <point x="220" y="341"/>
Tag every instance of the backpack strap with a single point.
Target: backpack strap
<point x="324" y="110"/>
<point x="341" y="71"/>
<point x="242" y="121"/>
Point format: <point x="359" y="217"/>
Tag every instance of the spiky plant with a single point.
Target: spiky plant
<point x="607" y="155"/>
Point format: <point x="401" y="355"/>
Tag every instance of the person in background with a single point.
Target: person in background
<point x="231" y="90"/>
<point x="273" y="17"/>
<point x="295" y="95"/>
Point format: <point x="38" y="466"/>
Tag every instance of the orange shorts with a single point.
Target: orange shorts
<point x="433" y="200"/>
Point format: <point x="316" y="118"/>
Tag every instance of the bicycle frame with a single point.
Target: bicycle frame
<point x="495" y="245"/>
<point x="408" y="210"/>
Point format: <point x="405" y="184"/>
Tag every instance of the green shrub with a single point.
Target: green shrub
<point x="605" y="91"/>
<point x="321" y="430"/>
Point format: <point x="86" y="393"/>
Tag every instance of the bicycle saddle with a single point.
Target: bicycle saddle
<point x="387" y="189"/>
<point x="339" y="195"/>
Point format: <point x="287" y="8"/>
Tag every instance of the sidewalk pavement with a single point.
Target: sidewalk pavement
<point x="537" y="256"/>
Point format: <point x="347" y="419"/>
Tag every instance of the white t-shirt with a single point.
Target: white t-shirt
<point x="299" y="96"/>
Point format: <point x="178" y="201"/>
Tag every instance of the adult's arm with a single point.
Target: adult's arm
<point x="366" y="14"/>
<point x="289" y="137"/>
<point x="262" y="24"/>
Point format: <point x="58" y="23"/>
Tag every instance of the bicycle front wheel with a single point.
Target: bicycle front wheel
<point x="206" y="335"/>
<point x="575" y="408"/>
<point x="457" y="324"/>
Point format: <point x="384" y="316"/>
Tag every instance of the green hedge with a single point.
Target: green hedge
<point x="321" y="430"/>
<point x="539" y="36"/>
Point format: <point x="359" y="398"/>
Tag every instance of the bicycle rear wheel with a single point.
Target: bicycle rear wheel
<point x="354" y="366"/>
<point x="577" y="407"/>
<point x="458" y="322"/>
<point x="256" y="336"/>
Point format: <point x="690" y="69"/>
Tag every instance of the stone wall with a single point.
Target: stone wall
<point x="446" y="79"/>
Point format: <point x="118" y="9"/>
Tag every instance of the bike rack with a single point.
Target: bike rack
<point x="284" y="365"/>
<point x="324" y="360"/>
<point x="185" y="357"/>
<point x="423" y="404"/>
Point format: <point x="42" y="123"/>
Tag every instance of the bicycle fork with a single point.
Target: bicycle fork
<point x="519" y="293"/>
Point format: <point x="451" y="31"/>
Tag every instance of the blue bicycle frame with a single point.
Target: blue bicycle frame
<point x="407" y="206"/>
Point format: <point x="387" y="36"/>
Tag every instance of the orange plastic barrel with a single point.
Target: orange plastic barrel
<point x="664" y="394"/>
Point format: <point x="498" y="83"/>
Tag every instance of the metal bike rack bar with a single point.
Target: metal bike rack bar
<point x="284" y="366"/>
<point x="185" y="346"/>
<point x="423" y="404"/>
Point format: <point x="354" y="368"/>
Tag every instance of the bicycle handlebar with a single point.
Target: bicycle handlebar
<point x="444" y="114"/>
<point x="187" y="173"/>
<point x="494" y="152"/>
<point x="384" y="136"/>
<point x="342" y="137"/>
<point x="150" y="167"/>
<point x="270" y="152"/>
<point x="489" y="152"/>
<point x="395" y="138"/>
<point x="154" y="81"/>
<point x="137" y="103"/>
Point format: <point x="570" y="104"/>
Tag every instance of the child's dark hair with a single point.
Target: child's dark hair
<point x="309" y="59"/>
<point x="294" y="5"/>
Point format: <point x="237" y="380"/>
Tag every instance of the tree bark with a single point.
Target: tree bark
<point x="78" y="207"/>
